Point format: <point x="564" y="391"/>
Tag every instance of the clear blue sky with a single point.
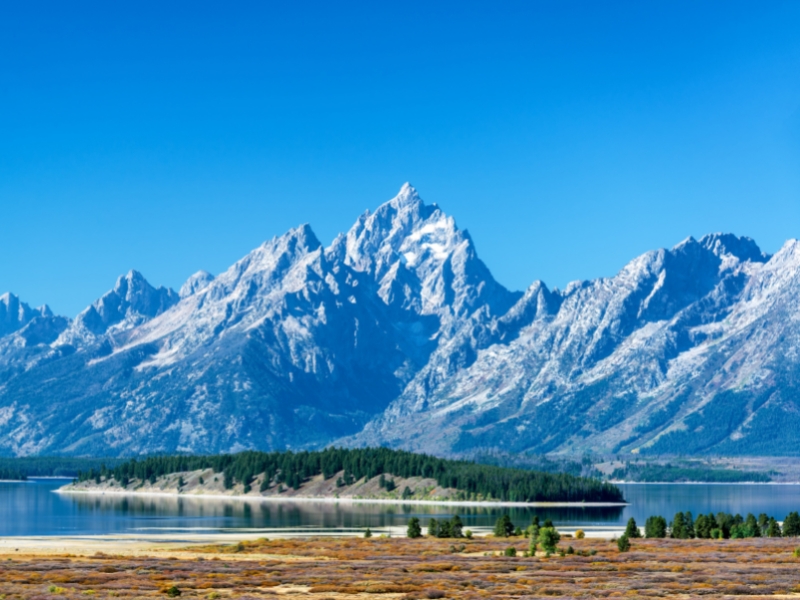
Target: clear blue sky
<point x="566" y="137"/>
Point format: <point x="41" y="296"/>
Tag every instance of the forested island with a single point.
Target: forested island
<point x="374" y="473"/>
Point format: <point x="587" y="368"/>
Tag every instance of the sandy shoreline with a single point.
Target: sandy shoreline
<point x="329" y="500"/>
<point x="180" y="543"/>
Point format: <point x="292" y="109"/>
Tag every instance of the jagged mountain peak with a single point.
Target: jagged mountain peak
<point x="399" y="322"/>
<point x="376" y="239"/>
<point x="406" y="198"/>
<point x="131" y="302"/>
<point x="724" y="245"/>
<point x="301" y="236"/>
<point x="15" y="314"/>
<point x="273" y="259"/>
<point x="421" y="259"/>
<point x="253" y="288"/>
<point x="196" y="282"/>
<point x="132" y="292"/>
<point x="741" y="247"/>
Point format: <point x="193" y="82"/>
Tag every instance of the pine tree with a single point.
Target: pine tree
<point x="688" y="527"/>
<point x="503" y="527"/>
<point x="791" y="525"/>
<point x="631" y="530"/>
<point x="655" y="527"/>
<point x="753" y="530"/>
<point x="724" y="523"/>
<point x="368" y="533"/>
<point x="763" y="522"/>
<point x="701" y="527"/>
<point x="414" y="529"/>
<point x="623" y="543"/>
<point x="433" y="528"/>
<point x="773" y="529"/>
<point x="456" y="527"/>
<point x="445" y="529"/>
<point x="678" y="527"/>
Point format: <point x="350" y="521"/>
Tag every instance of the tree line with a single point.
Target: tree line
<point x="293" y="468"/>
<point x="541" y="534"/>
<point x="720" y="526"/>
<point x="49" y="466"/>
<point x="716" y="526"/>
<point x="12" y="474"/>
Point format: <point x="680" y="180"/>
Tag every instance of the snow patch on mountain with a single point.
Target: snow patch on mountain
<point x="398" y="323"/>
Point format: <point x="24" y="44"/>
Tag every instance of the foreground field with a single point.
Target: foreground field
<point x="344" y="568"/>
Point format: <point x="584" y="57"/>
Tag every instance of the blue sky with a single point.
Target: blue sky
<point x="567" y="137"/>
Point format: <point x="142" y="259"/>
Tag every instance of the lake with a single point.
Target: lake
<point x="31" y="508"/>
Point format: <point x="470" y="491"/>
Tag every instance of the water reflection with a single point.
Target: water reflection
<point x="222" y="513"/>
<point x="33" y="509"/>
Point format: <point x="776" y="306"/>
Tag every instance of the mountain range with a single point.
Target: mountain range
<point x="397" y="334"/>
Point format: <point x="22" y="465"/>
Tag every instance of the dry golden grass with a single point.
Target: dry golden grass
<point x="343" y="568"/>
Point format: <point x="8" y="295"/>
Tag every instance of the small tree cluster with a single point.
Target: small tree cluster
<point x="503" y="527"/>
<point x="549" y="538"/>
<point x="718" y="526"/>
<point x="387" y="484"/>
<point x="682" y="526"/>
<point x="452" y="528"/>
<point x="655" y="527"/>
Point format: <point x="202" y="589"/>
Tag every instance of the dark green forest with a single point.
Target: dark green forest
<point x="50" y="466"/>
<point x="292" y="469"/>
<point x="7" y="472"/>
<point x="717" y="526"/>
<point x="676" y="473"/>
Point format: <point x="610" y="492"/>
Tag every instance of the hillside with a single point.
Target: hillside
<point x="397" y="334"/>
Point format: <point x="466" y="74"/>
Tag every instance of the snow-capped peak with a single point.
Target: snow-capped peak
<point x="407" y="195"/>
<point x="15" y="314"/>
<point x="195" y="283"/>
<point x="296" y="346"/>
<point x="131" y="302"/>
<point x="420" y="258"/>
<point x="728" y="244"/>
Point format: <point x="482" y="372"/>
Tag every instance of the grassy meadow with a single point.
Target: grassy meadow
<point x="377" y="567"/>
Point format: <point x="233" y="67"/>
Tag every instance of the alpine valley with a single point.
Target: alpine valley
<point x="397" y="334"/>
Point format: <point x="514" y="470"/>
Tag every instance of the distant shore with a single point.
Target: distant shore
<point x="704" y="482"/>
<point x="333" y="500"/>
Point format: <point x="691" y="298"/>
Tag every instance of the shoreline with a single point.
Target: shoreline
<point x="704" y="482"/>
<point x="329" y="500"/>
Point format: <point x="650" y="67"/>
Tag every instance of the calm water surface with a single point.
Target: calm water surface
<point x="31" y="508"/>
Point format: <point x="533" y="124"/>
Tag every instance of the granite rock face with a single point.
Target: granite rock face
<point x="398" y="334"/>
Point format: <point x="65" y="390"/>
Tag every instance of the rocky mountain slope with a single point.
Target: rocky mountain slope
<point x="398" y="334"/>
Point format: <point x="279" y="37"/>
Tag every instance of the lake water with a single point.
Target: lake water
<point x="31" y="508"/>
